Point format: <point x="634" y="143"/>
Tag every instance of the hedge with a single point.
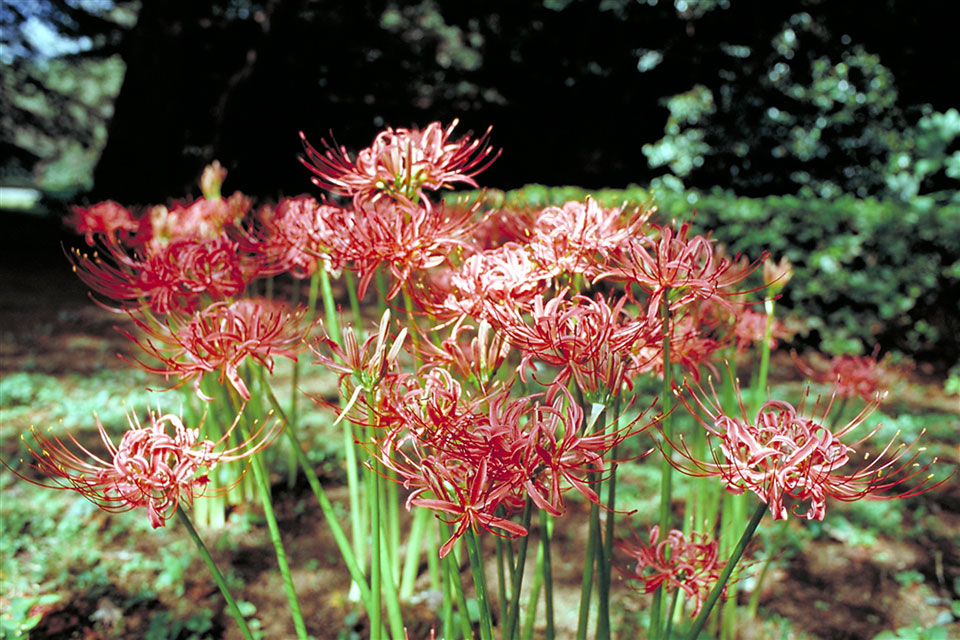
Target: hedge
<point x="866" y="272"/>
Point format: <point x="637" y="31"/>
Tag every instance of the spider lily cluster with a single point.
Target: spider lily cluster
<point x="512" y="386"/>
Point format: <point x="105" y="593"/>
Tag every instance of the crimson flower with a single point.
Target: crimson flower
<point x="400" y="162"/>
<point x="780" y="454"/>
<point x="178" y="276"/>
<point x="157" y="466"/>
<point x="676" y="563"/>
<point x="218" y="339"/>
<point x="680" y="267"/>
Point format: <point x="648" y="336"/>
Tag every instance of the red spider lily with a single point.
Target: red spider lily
<point x="218" y="339"/>
<point x="200" y="220"/>
<point x="404" y="235"/>
<point x="151" y="467"/>
<point x="578" y="237"/>
<point x="506" y="276"/>
<point x="293" y="237"/>
<point x="776" y="275"/>
<point x="751" y="327"/>
<point x="361" y="368"/>
<point x="471" y="506"/>
<point x="676" y="563"/>
<point x="176" y="277"/>
<point x="476" y="360"/>
<point x="107" y="218"/>
<point x="782" y="454"/>
<point x="687" y="268"/>
<point x="580" y="334"/>
<point x="862" y="376"/>
<point x="400" y="162"/>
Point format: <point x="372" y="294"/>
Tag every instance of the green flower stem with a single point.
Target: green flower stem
<point x="376" y="591"/>
<point x="217" y="576"/>
<point x="534" y="599"/>
<point x="761" y="386"/>
<point x="780" y="527"/>
<point x="354" y="305"/>
<point x="394" y="615"/>
<point x="546" y="532"/>
<point x="452" y="571"/>
<point x="605" y="564"/>
<point x="727" y="571"/>
<point x="514" y="616"/>
<point x="501" y="578"/>
<point x="670" y="612"/>
<point x="329" y="305"/>
<point x="666" y="470"/>
<point x="421" y="517"/>
<point x="479" y="583"/>
<point x="263" y="483"/>
<point x="343" y="544"/>
<point x="586" y="584"/>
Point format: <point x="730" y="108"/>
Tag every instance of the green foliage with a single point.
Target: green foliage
<point x="865" y="270"/>
<point x="18" y="616"/>
<point x="916" y="632"/>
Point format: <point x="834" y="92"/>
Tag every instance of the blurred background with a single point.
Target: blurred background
<point x="824" y="131"/>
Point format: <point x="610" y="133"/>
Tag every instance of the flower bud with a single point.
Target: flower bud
<point x="777" y="275"/>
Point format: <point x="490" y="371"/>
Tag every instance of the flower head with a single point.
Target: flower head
<point x="578" y="237"/>
<point x="177" y="276"/>
<point x="400" y="162"/>
<point x="676" y="563"/>
<point x="107" y="218"/>
<point x="157" y="466"/>
<point x="219" y="338"/>
<point x="781" y="454"/>
<point x="852" y="376"/>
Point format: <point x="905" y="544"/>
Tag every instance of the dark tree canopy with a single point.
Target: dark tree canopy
<point x="762" y="97"/>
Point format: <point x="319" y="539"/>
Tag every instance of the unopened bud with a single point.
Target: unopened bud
<point x="777" y="274"/>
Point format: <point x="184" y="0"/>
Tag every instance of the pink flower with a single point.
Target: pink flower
<point x="862" y="376"/>
<point x="781" y="454"/>
<point x="400" y="162"/>
<point x="218" y="339"/>
<point x="107" y="218"/>
<point x="751" y="327"/>
<point x="676" y="563"/>
<point x="579" y="237"/>
<point x="156" y="467"/>
<point x="295" y="236"/>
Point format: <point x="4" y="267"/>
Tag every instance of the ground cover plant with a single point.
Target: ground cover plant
<point x="520" y="368"/>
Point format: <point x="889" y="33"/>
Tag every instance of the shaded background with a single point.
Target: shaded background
<point x="130" y="100"/>
<point x="847" y="109"/>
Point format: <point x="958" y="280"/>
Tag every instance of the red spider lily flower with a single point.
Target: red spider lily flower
<point x="676" y="563"/>
<point x="471" y="505"/>
<point x="178" y="276"/>
<point x="294" y="237"/>
<point x="780" y="454"/>
<point x="852" y="376"/>
<point x="578" y="237"/>
<point x="218" y="339"/>
<point x="156" y="466"/>
<point x="400" y="233"/>
<point x="200" y="220"/>
<point x="751" y="328"/>
<point x="578" y="334"/>
<point x="400" y="162"/>
<point x="361" y="367"/>
<point x="476" y="360"/>
<point x="107" y="218"/>
<point x="688" y="268"/>
<point x="507" y="276"/>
